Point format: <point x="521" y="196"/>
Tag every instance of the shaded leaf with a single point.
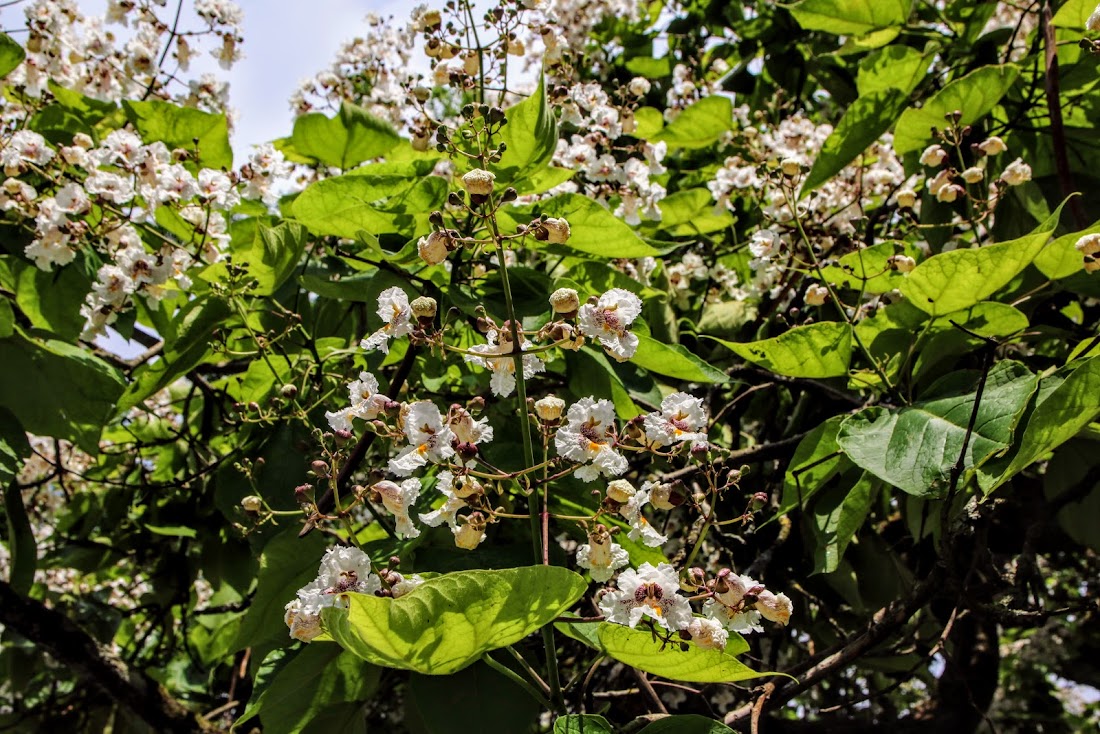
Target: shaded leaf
<point x="674" y="360"/>
<point x="686" y="724"/>
<point x="914" y="448"/>
<point x="11" y="54"/>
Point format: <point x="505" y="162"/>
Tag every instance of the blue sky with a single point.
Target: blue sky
<point x="285" y="41"/>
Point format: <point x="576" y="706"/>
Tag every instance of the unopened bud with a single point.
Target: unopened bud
<point x="342" y="436"/>
<point x="759" y="501"/>
<point x="901" y="263"/>
<point x="549" y="408"/>
<point x="620" y="490"/>
<point x="424" y="307"/>
<point x="479" y="182"/>
<point x="288" y="390"/>
<point x="319" y="468"/>
<point x="790" y="167"/>
<point x="565" y="301"/>
<point x="554" y="231"/>
<point x="252" y="503"/>
<point x="434" y="248"/>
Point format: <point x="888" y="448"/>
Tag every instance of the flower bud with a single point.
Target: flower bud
<point x="471" y="63"/>
<point x="639" y="86"/>
<point x="479" y="184"/>
<point x="252" y="503"/>
<point x="906" y="198"/>
<point x="434" y="248"/>
<point x="901" y="263"/>
<point x="554" y="231"/>
<point x="973" y="175"/>
<point x="933" y="156"/>
<point x="992" y="146"/>
<point x="549" y="408"/>
<point x="424" y="307"/>
<point x="565" y="301"/>
<point x="790" y="167"/>
<point x="1093" y="23"/>
<point x="319" y="468"/>
<point x="620" y="490"/>
<point x="289" y="390"/>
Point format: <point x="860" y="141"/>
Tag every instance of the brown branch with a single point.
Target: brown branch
<point x="884" y="623"/>
<point x="343" y="480"/>
<point x="760" y="452"/>
<point x="95" y="664"/>
<point x="1057" y="125"/>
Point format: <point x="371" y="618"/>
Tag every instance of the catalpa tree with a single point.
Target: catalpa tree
<point x="568" y="367"/>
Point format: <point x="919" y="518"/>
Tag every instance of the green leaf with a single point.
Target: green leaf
<point x="1061" y="259"/>
<point x="530" y="137"/>
<point x="269" y="253"/>
<point x="287" y="563"/>
<point x="700" y="125"/>
<point x="57" y="389"/>
<point x="850" y="17"/>
<point x="686" y="724"/>
<point x="974" y="95"/>
<point x="375" y="203"/>
<point x="11" y="54"/>
<point x="864" y="122"/>
<point x="642" y="650"/>
<point x="837" y="515"/>
<point x="649" y="67"/>
<point x="173" y="531"/>
<point x="442" y="702"/>
<point x="582" y="724"/>
<point x="894" y="67"/>
<point x="690" y="212"/>
<point x="184" y="351"/>
<point x="869" y="269"/>
<point x="817" y="459"/>
<point x="344" y="141"/>
<point x="1065" y="403"/>
<point x="590" y="371"/>
<point x="594" y="229"/>
<point x="674" y="360"/>
<point x="448" y="622"/>
<point x="648" y="121"/>
<point x="316" y="679"/>
<point x="915" y="448"/>
<point x="183" y="127"/>
<point x="52" y="300"/>
<point x="958" y="279"/>
<point x="817" y="350"/>
<point x="7" y="318"/>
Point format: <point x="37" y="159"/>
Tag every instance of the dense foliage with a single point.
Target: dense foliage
<point x="664" y="367"/>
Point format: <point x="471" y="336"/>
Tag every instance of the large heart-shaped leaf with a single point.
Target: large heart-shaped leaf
<point x="448" y="622"/>
<point x="642" y="650"/>
<point x="817" y="350"/>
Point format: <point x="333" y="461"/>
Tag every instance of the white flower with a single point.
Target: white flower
<point x="608" y="320"/>
<point x="404" y="585"/>
<point x="343" y="570"/>
<point x="764" y="244"/>
<point x="396" y="315"/>
<point x="25" y="146"/>
<point x="940" y="181"/>
<point x="816" y="295"/>
<point x="640" y="527"/>
<point x="1016" y="173"/>
<point x="217" y="188"/>
<point x="503" y="381"/>
<point x="429" y="439"/>
<point x="471" y="533"/>
<point x="451" y="505"/>
<point x="681" y="418"/>
<point x="906" y="198"/>
<point x="933" y="156"/>
<point x="549" y="408"/>
<point x="901" y="263"/>
<point x="366" y="403"/>
<point x="601" y="556"/>
<point x="1089" y="244"/>
<point x="639" y="86"/>
<point x="648" y="592"/>
<point x="110" y="186"/>
<point x="741" y="622"/>
<point x="433" y="248"/>
<point x="1093" y="23"/>
<point x="398" y="498"/>
<point x="774" y="607"/>
<point x="468" y="429"/>
<point x="587" y="436"/>
<point x="708" y="633"/>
